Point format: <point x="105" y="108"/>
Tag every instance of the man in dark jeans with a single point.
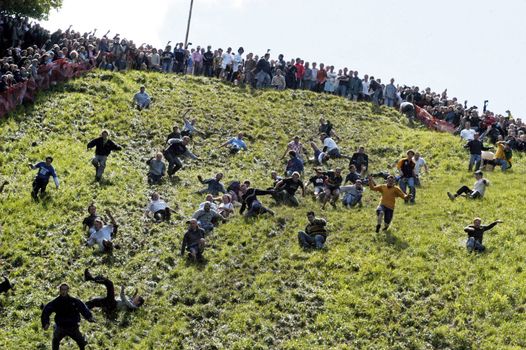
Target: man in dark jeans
<point x="194" y="241"/>
<point x="45" y="171"/>
<point x="103" y="147"/>
<point x="177" y="148"/>
<point x="208" y="58"/>
<point x="315" y="232"/>
<point x="109" y="303"/>
<point x="476" y="233"/>
<point x="67" y="317"/>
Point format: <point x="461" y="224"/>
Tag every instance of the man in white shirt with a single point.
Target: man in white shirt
<point x="467" y="134"/>
<point x="330" y="147"/>
<point x="102" y="235"/>
<point x="226" y="63"/>
<point x="419" y="164"/>
<point x="478" y="190"/>
<point x="159" y="208"/>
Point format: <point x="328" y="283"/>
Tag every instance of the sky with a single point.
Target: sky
<point x="472" y="48"/>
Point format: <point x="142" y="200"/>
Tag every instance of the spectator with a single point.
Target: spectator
<point x="390" y="94"/>
<point x="385" y="209"/>
<point x="355" y="87"/>
<point x="45" y="171"/>
<point x="315" y="233"/>
<point x="307" y="77"/>
<point x="467" y="134"/>
<point x="476" y="234"/>
<point x="278" y="81"/>
<point x="108" y="303"/>
<point x="67" y="317"/>
<point x="263" y="72"/>
<point x="236" y="144"/>
<point x="478" y="190"/>
<point x="157" y="169"/>
<point x="176" y="149"/>
<point x="158" y="208"/>
<point x="141" y="99"/>
<point x="321" y="78"/>
<point x="194" y="241"/>
<point x="208" y="61"/>
<point x="214" y="185"/>
<point x="103" y="147"/>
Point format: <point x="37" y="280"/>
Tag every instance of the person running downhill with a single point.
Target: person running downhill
<point x="406" y="166"/>
<point x="103" y="147"/>
<point x="45" y="171"/>
<point x="386" y="207"/>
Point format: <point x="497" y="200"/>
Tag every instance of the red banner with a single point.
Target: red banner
<point x="48" y="74"/>
<point x="432" y="122"/>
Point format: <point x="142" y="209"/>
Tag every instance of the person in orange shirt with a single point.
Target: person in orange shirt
<point x="390" y="192"/>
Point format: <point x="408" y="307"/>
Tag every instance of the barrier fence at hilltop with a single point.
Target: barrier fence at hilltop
<point x="48" y="75"/>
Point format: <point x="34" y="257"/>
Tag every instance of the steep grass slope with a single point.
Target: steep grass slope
<point x="413" y="288"/>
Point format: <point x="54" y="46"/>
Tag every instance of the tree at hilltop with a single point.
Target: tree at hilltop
<point x="38" y="9"/>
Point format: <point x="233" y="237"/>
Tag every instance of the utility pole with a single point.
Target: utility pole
<point x="188" y="26"/>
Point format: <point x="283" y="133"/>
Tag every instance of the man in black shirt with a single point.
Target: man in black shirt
<point x="5" y="285"/>
<point x="67" y="317"/>
<point x="208" y="59"/>
<point x="332" y="186"/>
<point x="475" y="234"/>
<point x="176" y="149"/>
<point x="194" y="241"/>
<point x="250" y="202"/>
<point x="89" y="221"/>
<point x="318" y="181"/>
<point x="406" y="166"/>
<point x="360" y="160"/>
<point x="103" y="147"/>
<point x="286" y="189"/>
<point x="475" y="147"/>
<point x="263" y="72"/>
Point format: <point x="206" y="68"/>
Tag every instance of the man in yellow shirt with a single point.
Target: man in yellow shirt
<point x="386" y="207"/>
<point x="503" y="155"/>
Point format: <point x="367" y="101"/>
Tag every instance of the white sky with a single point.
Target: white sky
<point x="472" y="48"/>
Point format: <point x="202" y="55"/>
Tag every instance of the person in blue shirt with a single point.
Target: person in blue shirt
<point x="236" y="144"/>
<point x="294" y="164"/>
<point x="45" y="171"/>
<point x="141" y="99"/>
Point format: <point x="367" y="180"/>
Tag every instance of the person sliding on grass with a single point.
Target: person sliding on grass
<point x="45" y="171"/>
<point x="476" y="193"/>
<point x="236" y="144"/>
<point x="386" y="207"/>
<point x="102" y="235"/>
<point x="103" y="147"/>
<point x="318" y="181"/>
<point x="476" y="233"/>
<point x="333" y="182"/>
<point x="159" y="208"/>
<point x="88" y="223"/>
<point x="3" y="185"/>
<point x="286" y="189"/>
<point x="315" y="232"/>
<point x="157" y="169"/>
<point x="194" y="241"/>
<point x="108" y="303"/>
<point x="250" y="201"/>
<point x="207" y="218"/>
<point x="67" y="317"/>
<point x="214" y="185"/>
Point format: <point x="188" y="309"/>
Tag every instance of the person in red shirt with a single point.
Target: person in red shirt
<point x="321" y="78"/>
<point x="300" y="72"/>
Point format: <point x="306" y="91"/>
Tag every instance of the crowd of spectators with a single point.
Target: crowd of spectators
<point x="26" y="45"/>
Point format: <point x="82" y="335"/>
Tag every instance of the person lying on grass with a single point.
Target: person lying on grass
<point x="476" y="234"/>
<point x="478" y="189"/>
<point x="109" y="303"/>
<point x="385" y="209"/>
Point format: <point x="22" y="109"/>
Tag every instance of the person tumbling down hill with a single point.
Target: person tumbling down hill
<point x="88" y="223"/>
<point x="386" y="207"/>
<point x="108" y="303"/>
<point x="102" y="235"/>
<point x="250" y="201"/>
<point x="207" y="218"/>
<point x="176" y="149"/>
<point x="352" y="195"/>
<point x="236" y="144"/>
<point x="478" y="190"/>
<point x="286" y="189"/>
<point x="45" y="171"/>
<point x="476" y="233"/>
<point x="214" y="185"/>
<point x="320" y="157"/>
<point x="194" y="241"/>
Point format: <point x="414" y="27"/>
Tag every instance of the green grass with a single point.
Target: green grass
<point x="415" y="287"/>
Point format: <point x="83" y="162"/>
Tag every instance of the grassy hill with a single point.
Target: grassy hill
<point x="414" y="287"/>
